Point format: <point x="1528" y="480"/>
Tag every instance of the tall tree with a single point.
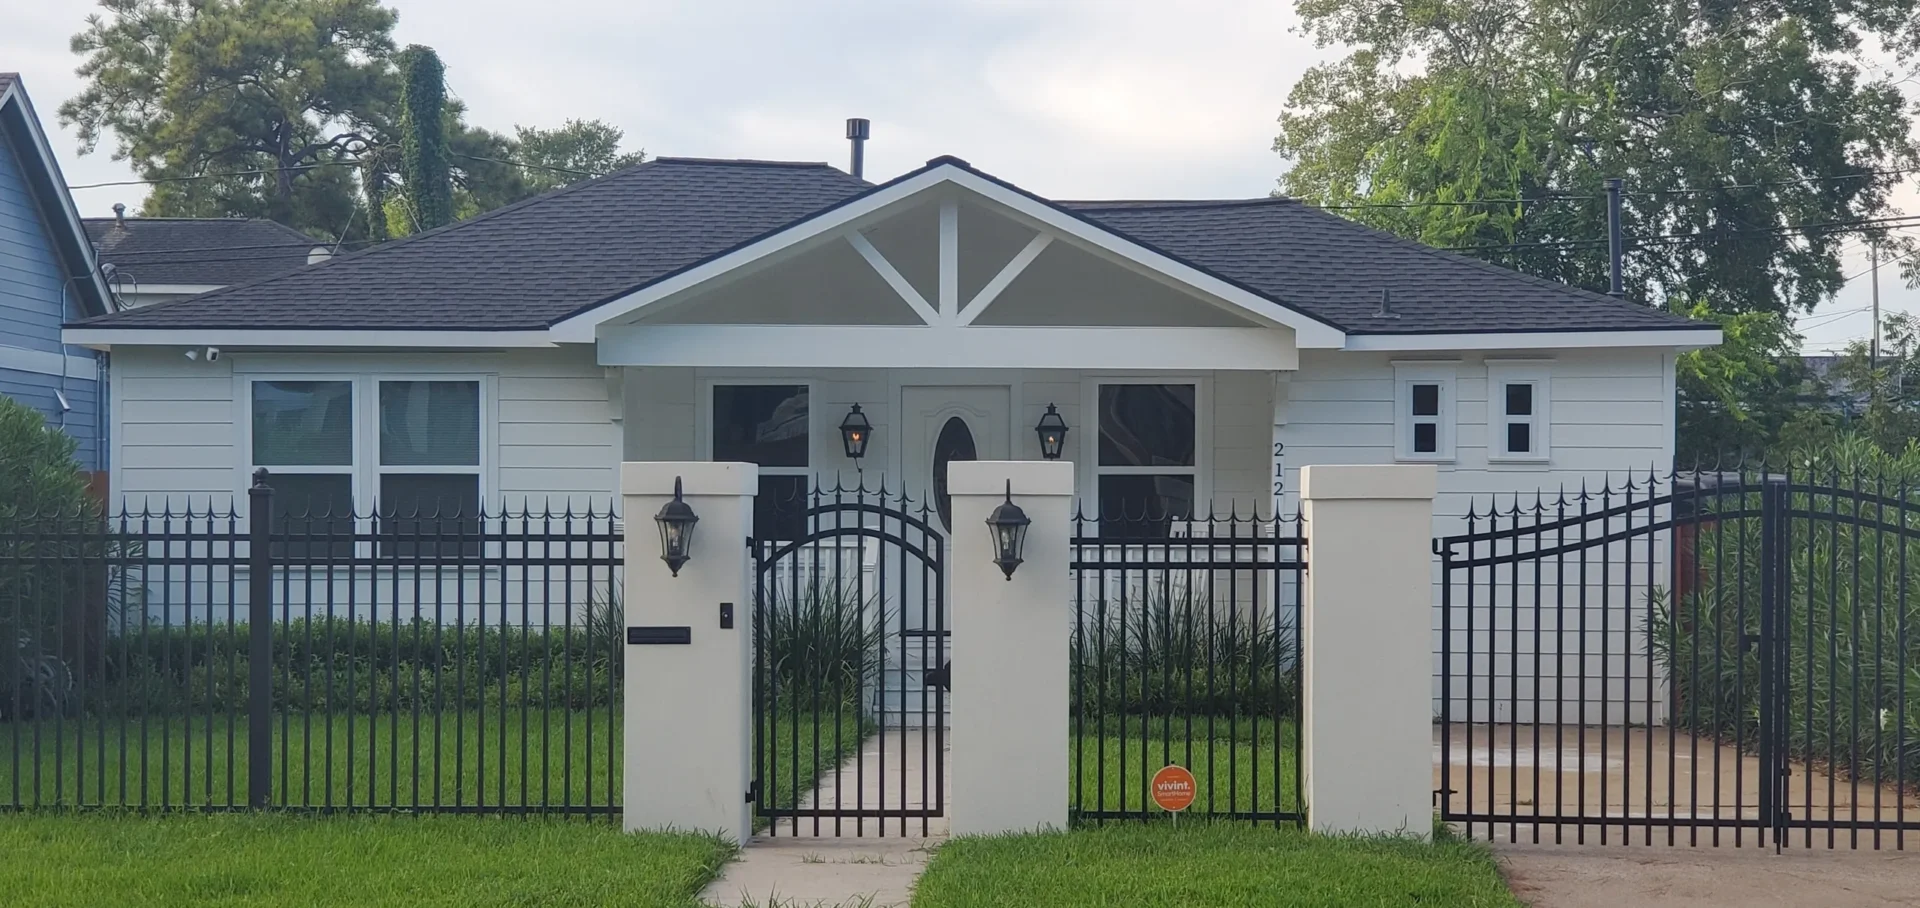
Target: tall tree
<point x="238" y="107"/>
<point x="577" y="150"/>
<point x="1454" y="101"/>
<point x="423" y="137"/>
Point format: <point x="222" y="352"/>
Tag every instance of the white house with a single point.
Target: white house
<point x="1200" y="352"/>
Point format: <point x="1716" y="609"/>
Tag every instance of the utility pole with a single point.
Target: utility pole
<point x="1873" y="348"/>
<point x="1616" y="286"/>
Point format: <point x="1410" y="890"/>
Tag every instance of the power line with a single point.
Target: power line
<point x="1759" y="184"/>
<point x="1452" y="203"/>
<point x="120" y="256"/>
<point x="1895" y="222"/>
<point x="300" y="168"/>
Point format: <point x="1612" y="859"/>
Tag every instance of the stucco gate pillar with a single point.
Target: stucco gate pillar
<point x="1009" y="720"/>
<point x="688" y="693"/>
<point x="1367" y="649"/>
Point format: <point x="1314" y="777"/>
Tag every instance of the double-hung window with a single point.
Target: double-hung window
<point x="1423" y="403"/>
<point x="767" y="425"/>
<point x="1518" y="395"/>
<point x="1145" y="470"/>
<point x="407" y="451"/>
<point x="429" y="465"/>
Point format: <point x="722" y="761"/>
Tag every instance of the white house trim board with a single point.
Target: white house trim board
<point x="1042" y="216"/>
<point x="949" y="259"/>
<point x="1682" y="339"/>
<point x="893" y="277"/>
<point x="932" y="347"/>
<point x="1013" y="269"/>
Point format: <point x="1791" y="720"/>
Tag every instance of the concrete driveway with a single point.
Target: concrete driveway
<point x="1593" y="876"/>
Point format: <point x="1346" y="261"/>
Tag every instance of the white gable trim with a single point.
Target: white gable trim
<point x="1310" y="332"/>
<point x="1681" y="339"/>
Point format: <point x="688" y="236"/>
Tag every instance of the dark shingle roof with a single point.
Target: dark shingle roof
<point x="531" y="263"/>
<point x="217" y="251"/>
<point x="1333" y="268"/>
<point x="537" y="262"/>
<point x="7" y="79"/>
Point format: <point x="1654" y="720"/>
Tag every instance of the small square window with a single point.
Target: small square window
<point x="1520" y="399"/>
<point x="1426" y="438"/>
<point x="1426" y="400"/>
<point x="1519" y="438"/>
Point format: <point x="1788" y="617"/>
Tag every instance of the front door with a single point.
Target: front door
<point x="939" y="426"/>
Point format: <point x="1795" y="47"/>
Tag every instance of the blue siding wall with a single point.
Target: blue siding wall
<point x="31" y="313"/>
<point x="36" y="390"/>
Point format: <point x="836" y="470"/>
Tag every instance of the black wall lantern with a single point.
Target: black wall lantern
<point x="676" y="520"/>
<point x="1053" y="433"/>
<point x="1008" y="524"/>
<point x="855" y="431"/>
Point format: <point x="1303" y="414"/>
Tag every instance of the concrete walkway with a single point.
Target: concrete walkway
<point x="870" y="863"/>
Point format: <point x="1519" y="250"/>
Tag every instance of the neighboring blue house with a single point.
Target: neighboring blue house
<point x="48" y="277"/>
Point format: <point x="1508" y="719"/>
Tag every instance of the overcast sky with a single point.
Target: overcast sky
<point x="1068" y="98"/>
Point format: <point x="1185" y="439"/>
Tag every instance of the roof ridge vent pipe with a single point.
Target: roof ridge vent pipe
<point x="858" y="130"/>
<point x="1386" y="305"/>
<point x="120" y="215"/>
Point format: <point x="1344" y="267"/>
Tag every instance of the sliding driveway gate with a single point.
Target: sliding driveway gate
<point x="1702" y="658"/>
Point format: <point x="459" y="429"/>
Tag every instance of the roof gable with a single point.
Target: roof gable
<point x="21" y="130"/>
<point x="526" y="265"/>
<point x="566" y="261"/>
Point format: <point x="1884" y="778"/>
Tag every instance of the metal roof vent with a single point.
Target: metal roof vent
<point x="858" y="129"/>
<point x="120" y="214"/>
<point x="1386" y="305"/>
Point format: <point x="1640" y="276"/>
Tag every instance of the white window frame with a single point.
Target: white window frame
<point x="1500" y="374"/>
<point x="1201" y="470"/>
<point x="480" y="468"/>
<point x="1425" y="372"/>
<point x="366" y="468"/>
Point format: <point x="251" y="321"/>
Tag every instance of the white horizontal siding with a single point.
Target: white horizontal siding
<point x="1612" y="413"/>
<point x="177" y="431"/>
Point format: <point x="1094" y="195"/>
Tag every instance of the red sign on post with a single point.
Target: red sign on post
<point x="1173" y="788"/>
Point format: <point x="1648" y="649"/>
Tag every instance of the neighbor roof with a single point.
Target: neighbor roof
<point x="535" y="263"/>
<point x="197" y="251"/>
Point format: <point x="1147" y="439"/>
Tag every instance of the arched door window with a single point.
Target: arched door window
<point x="954" y="443"/>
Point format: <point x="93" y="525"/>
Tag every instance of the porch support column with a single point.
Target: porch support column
<point x="1367" y="645"/>
<point x="1009" y="719"/>
<point x="688" y="735"/>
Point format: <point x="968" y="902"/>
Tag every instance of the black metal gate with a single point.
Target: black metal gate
<point x="850" y="665"/>
<point x="1716" y="657"/>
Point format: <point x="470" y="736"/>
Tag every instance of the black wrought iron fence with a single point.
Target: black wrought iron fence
<point x="226" y="658"/>
<point x="1185" y="652"/>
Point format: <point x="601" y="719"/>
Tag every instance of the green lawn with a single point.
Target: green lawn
<point x="1207" y="865"/>
<point x="1239" y="766"/>
<point x="267" y="860"/>
<point x="470" y="758"/>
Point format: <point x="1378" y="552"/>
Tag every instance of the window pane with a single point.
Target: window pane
<point x="302" y="423"/>
<point x="1146" y="426"/>
<point x="1426" y="438"/>
<point x="1520" y="399"/>
<point x="780" y="508"/>
<point x="1426" y="400"/>
<point x="763" y="424"/>
<point x="313" y="515"/>
<point x="430" y="423"/>
<point x="1141" y="507"/>
<point x="1519" y="438"/>
<point x="425" y="515"/>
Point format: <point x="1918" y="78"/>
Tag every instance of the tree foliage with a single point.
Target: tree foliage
<point x="573" y="152"/>
<point x="423" y="137"/>
<point x="290" y="110"/>
<point x="1459" y="100"/>
<point x="285" y="94"/>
